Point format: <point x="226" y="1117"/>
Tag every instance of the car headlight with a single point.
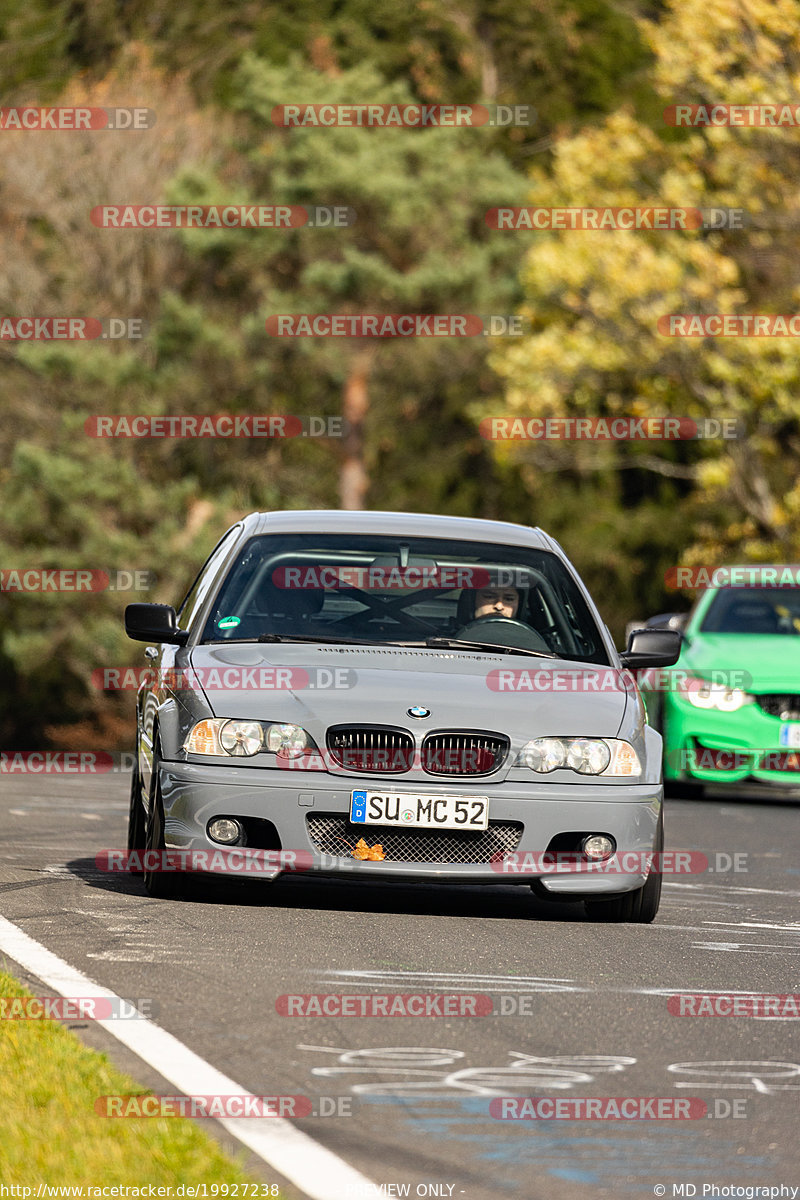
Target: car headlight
<point x="587" y="756"/>
<point x="288" y="741"/>
<point x="543" y="755"/>
<point x="242" y="739"/>
<point x="703" y="694"/>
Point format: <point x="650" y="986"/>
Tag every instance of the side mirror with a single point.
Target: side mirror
<point x="652" y="648"/>
<point x="154" y="623"/>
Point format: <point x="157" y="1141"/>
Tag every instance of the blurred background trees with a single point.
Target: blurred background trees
<point x="599" y="75"/>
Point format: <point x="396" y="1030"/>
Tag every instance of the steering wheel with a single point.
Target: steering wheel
<point x="508" y="631"/>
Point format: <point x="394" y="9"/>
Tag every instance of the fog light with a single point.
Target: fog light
<point x="598" y="846"/>
<point x="226" y="830"/>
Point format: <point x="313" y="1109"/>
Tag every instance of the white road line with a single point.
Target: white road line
<point x="732" y="887"/>
<point x="452" y="982"/>
<point x="783" y="927"/>
<point x="317" y="1172"/>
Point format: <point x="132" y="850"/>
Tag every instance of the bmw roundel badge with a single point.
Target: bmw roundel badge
<point x="419" y="711"/>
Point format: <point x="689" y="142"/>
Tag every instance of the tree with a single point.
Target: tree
<point x="596" y="297"/>
<point x="419" y="244"/>
<point x="71" y="501"/>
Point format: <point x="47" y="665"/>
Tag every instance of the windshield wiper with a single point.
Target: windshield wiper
<point x="447" y="643"/>
<point x="434" y="642"/>
<point x="324" y="638"/>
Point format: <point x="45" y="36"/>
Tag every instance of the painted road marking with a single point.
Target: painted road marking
<point x="451" y="981"/>
<point x="317" y="1172"/>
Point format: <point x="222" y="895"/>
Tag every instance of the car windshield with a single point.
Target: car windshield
<point x="389" y="589"/>
<point x="774" y="610"/>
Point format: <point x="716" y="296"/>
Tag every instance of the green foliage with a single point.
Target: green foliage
<point x="598" y="79"/>
<point x="596" y="297"/>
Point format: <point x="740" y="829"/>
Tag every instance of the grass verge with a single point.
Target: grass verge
<point x="50" y="1133"/>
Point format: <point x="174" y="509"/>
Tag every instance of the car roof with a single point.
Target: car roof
<point x="328" y="520"/>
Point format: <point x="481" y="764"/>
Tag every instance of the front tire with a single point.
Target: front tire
<point x="137" y="832"/>
<point x="639" y="906"/>
<point x="161" y="885"/>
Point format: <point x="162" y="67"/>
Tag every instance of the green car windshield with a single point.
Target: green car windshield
<point x="390" y="589"/>
<point x="757" y="610"/>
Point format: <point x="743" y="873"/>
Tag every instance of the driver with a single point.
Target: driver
<point x="497" y="613"/>
<point x="497" y="602"/>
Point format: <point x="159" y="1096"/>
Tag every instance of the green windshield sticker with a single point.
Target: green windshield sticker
<point x="229" y="622"/>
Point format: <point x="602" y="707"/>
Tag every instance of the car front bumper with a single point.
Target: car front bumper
<point x="193" y="794"/>
<point x="736" y="743"/>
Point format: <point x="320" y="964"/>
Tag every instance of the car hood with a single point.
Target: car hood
<point x="377" y="685"/>
<point x="771" y="661"/>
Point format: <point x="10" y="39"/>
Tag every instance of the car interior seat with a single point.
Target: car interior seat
<point x="285" y="610"/>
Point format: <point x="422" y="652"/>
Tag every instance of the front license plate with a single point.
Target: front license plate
<point x="432" y="812"/>
<point x="790" y="735"/>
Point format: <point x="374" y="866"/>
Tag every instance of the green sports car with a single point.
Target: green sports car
<point x="729" y="711"/>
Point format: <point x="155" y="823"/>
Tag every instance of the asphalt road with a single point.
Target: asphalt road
<point x="589" y="1001"/>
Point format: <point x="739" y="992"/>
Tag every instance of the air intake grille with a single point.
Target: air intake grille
<point x="786" y="706"/>
<point x="379" y="749"/>
<point x="336" y="836"/>
<point x="454" y="752"/>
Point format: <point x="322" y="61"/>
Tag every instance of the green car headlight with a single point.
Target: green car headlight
<point x="703" y="694"/>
